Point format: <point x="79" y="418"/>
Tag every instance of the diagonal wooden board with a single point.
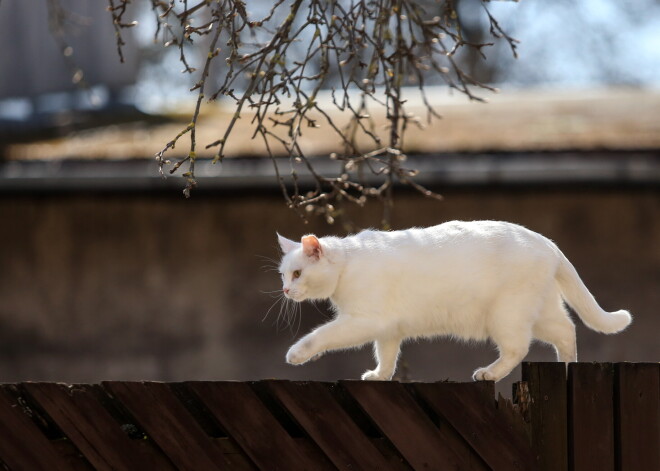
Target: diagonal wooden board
<point x="92" y="429"/>
<point x="252" y="425"/>
<point x="19" y="437"/>
<point x="315" y="409"/>
<point x="175" y="431"/>
<point x="407" y="426"/>
<point x="500" y="441"/>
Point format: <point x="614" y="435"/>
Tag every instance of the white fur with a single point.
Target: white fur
<point x="469" y="280"/>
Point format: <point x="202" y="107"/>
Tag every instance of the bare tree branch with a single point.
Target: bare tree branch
<point x="276" y="66"/>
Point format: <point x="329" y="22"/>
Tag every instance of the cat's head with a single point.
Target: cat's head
<point x="307" y="270"/>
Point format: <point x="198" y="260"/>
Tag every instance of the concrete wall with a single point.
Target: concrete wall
<point x="162" y="288"/>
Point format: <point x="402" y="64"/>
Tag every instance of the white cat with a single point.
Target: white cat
<point x="469" y="280"/>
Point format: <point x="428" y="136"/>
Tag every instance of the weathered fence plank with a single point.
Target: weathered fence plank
<point x="252" y="425"/>
<point x="170" y="425"/>
<point x="406" y="425"/>
<point x="92" y="429"/>
<point x="472" y="412"/>
<point x="637" y="405"/>
<point x="548" y="412"/>
<point x="315" y="409"/>
<point x="591" y="416"/>
<point x="22" y="444"/>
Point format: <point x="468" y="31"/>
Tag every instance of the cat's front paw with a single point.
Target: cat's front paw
<point x="298" y="354"/>
<point x="482" y="374"/>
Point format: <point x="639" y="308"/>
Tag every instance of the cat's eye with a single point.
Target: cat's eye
<point x="296" y="274"/>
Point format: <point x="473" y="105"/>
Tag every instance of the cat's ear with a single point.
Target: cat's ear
<point x="312" y="247"/>
<point x="287" y="245"/>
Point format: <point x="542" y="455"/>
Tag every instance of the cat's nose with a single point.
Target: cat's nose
<point x="286" y="290"/>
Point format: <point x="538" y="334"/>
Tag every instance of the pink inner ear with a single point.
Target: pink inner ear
<point x="311" y="246"/>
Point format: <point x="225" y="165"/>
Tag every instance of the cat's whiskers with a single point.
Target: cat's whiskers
<point x="277" y="300"/>
<point x="283" y="305"/>
<point x="314" y="302"/>
<point x="277" y="293"/>
<point x="285" y="313"/>
<point x="299" y="308"/>
<point x="291" y="314"/>
<point x="267" y="259"/>
<point x="271" y="265"/>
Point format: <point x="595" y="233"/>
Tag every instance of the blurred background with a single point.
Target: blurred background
<point x="107" y="272"/>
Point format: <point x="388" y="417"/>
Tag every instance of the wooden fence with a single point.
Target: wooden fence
<point x="600" y="417"/>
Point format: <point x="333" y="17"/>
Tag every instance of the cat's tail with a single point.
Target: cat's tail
<point x="576" y="295"/>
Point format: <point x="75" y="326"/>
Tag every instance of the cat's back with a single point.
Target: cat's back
<point x="427" y="267"/>
<point x="453" y="235"/>
<point x="499" y="234"/>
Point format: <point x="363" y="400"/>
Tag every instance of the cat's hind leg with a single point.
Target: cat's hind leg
<point x="387" y="353"/>
<point x="555" y="327"/>
<point x="512" y="352"/>
<point x="510" y="327"/>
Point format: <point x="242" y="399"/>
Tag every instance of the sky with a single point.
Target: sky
<point x="582" y="43"/>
